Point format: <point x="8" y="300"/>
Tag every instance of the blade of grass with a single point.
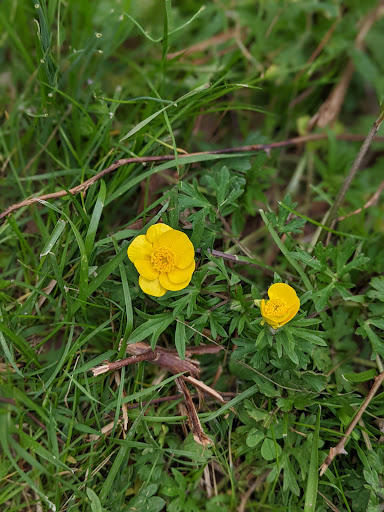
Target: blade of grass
<point x="59" y="228"/>
<point x="9" y="355"/>
<point x="83" y="278"/>
<point x="143" y="123"/>
<point x="313" y="473"/>
<point x="20" y="343"/>
<point x="95" y="219"/>
<point x="145" y="33"/>
<point x="128" y="305"/>
<point x="239" y="398"/>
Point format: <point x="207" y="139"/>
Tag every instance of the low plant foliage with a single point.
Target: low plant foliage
<point x="84" y="85"/>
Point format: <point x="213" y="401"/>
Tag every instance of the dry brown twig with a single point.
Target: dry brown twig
<point x="169" y="359"/>
<point x="166" y="158"/>
<point x="257" y="483"/>
<point x="339" y="448"/>
<point x="372" y="201"/>
<point x="331" y="214"/>
<point x="194" y="423"/>
<point x="227" y="396"/>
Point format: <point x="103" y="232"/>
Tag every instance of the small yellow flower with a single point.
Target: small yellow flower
<point x="282" y="306"/>
<point x="164" y="258"/>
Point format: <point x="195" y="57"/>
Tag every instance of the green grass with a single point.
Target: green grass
<point x="83" y="84"/>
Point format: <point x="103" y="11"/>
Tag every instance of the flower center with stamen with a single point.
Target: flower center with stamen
<point x="276" y="307"/>
<point x="163" y="259"/>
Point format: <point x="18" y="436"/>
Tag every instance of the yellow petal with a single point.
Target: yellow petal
<point x="178" y="275"/>
<point x="155" y="231"/>
<point x="168" y="285"/>
<point x="282" y="291"/>
<point x="139" y="249"/>
<point x="179" y="244"/>
<point x="145" y="269"/>
<point x="278" y="321"/>
<point x="152" y="287"/>
<point x="293" y="310"/>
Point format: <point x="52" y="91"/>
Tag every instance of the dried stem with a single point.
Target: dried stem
<point x="149" y="355"/>
<point x="352" y="173"/>
<point x="257" y="483"/>
<point x="339" y="448"/>
<point x="163" y="158"/>
<point x="372" y="201"/>
<point x="169" y="359"/>
<point x="224" y="396"/>
<point x="195" y="425"/>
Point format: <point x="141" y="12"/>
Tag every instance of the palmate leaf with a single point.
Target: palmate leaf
<point x="279" y="221"/>
<point x="190" y="197"/>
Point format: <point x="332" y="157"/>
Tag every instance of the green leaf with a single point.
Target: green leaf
<point x="376" y="342"/>
<point x="180" y="337"/>
<point x="146" y="329"/>
<point x="19" y="342"/>
<point x="83" y="278"/>
<point x="377" y="322"/>
<point x="307" y="334"/>
<point x="95" y="219"/>
<point x="313" y="473"/>
<point x="239" y="398"/>
<point x="59" y="228"/>
<point x="378" y="284"/>
<point x="31" y="444"/>
<point x="287" y="342"/>
<point x="361" y="376"/>
<point x="173" y="209"/>
<point x="270" y="450"/>
<point x="9" y="355"/>
<point x="198" y="227"/>
<point x="320" y="297"/>
<point x="95" y="501"/>
<point x="254" y="437"/>
<point x="144" y="123"/>
<point x="290" y="481"/>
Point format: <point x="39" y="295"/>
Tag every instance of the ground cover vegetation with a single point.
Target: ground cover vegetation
<point x="177" y="378"/>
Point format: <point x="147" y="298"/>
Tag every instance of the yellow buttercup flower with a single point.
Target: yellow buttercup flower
<point x="282" y="306"/>
<point x="164" y="258"/>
